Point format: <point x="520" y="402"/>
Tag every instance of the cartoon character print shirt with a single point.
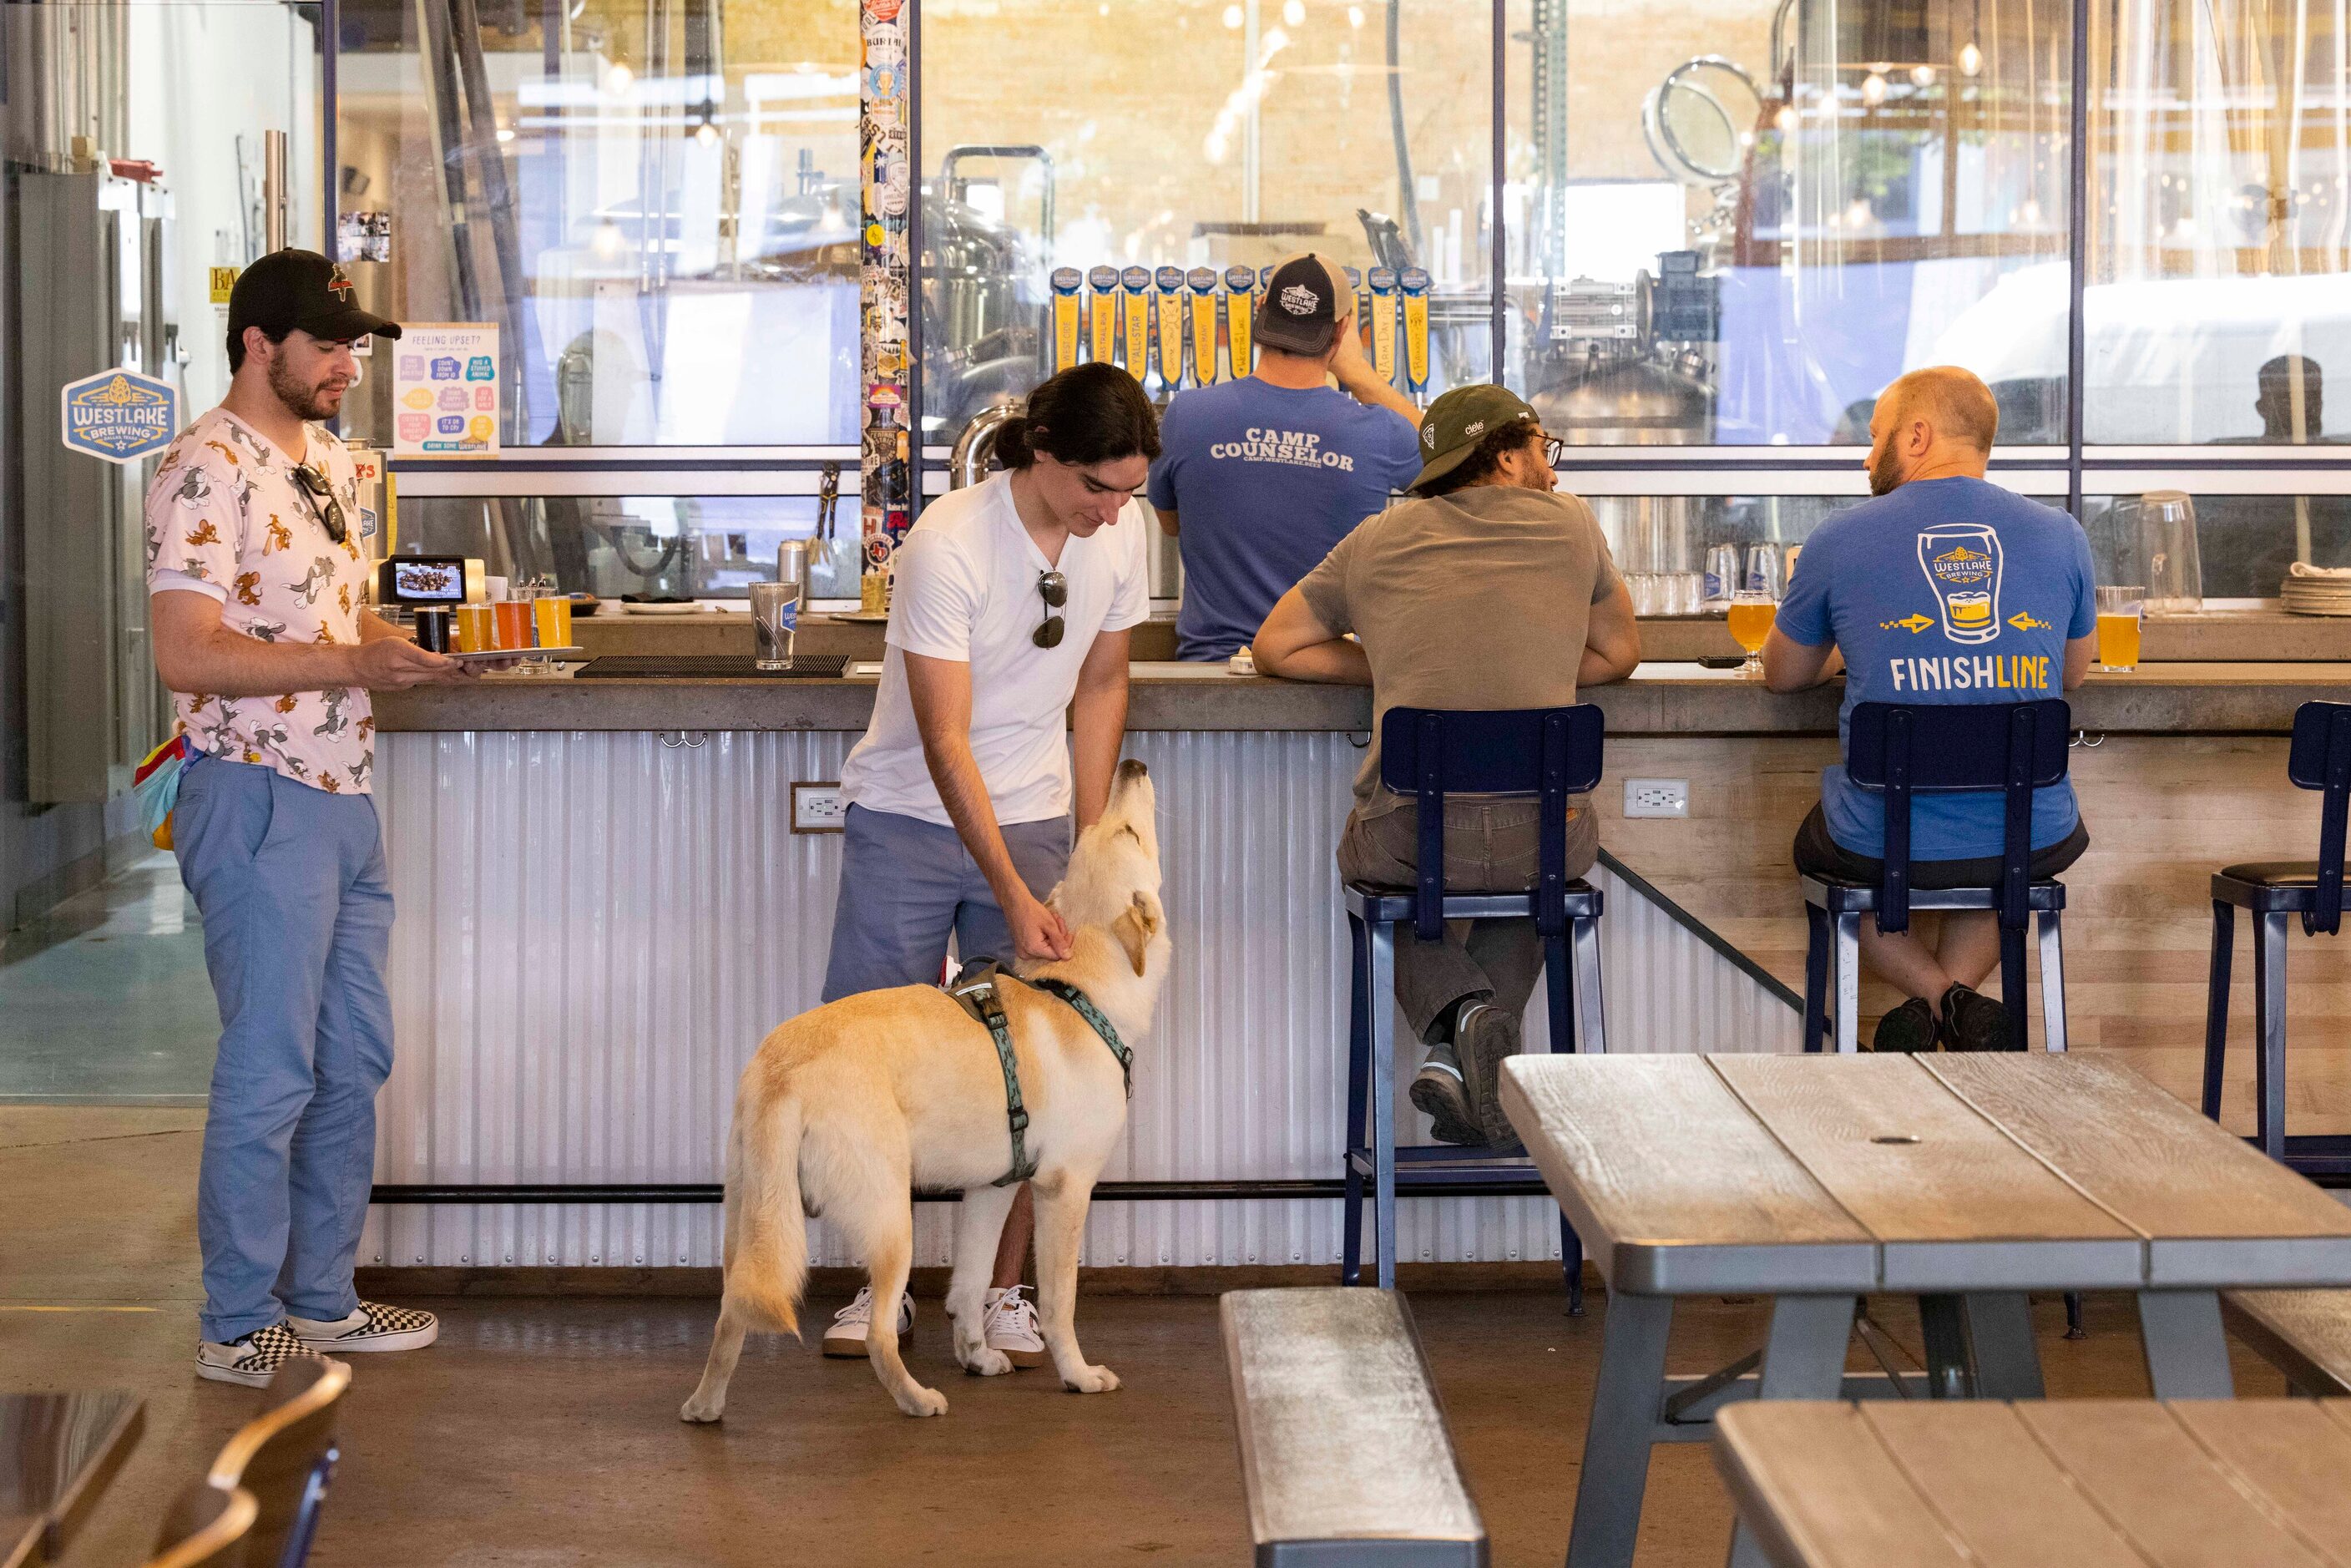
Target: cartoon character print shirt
<point x="1945" y="591"/>
<point x="225" y="516"/>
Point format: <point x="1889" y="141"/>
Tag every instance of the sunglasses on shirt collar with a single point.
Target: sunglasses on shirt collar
<point x="1054" y="589"/>
<point x="330" y="511"/>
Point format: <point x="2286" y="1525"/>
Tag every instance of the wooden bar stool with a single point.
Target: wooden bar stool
<point x="1550" y="753"/>
<point x="2319" y="757"/>
<point x="1899" y="748"/>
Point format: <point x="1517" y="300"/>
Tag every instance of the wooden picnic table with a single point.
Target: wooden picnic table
<point x="1964" y="1180"/>
<point x="2074" y="1483"/>
<point x="57" y="1452"/>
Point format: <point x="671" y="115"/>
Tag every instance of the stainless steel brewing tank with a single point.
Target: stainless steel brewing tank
<point x="1627" y="399"/>
<point x="972" y="269"/>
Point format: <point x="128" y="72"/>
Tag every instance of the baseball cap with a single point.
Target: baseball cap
<point x="1457" y="421"/>
<point x="291" y="289"/>
<point x="1304" y="303"/>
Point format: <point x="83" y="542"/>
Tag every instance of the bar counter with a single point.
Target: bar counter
<point x="603" y="908"/>
<point x="1659" y="699"/>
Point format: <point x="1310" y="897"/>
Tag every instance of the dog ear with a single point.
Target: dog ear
<point x="1136" y="929"/>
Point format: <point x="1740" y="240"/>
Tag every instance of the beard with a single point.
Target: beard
<point x="312" y="402"/>
<point x="1884" y="469"/>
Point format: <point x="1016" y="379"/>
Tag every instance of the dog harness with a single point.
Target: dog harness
<point x="974" y="989"/>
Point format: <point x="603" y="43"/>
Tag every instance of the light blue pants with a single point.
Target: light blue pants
<point x="291" y="882"/>
<point x="905" y="884"/>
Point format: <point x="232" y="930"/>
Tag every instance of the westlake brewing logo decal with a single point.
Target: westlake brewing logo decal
<point x="119" y="416"/>
<point x="1962" y="566"/>
<point x="1300" y="300"/>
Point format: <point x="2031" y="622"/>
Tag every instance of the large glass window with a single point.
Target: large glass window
<point x="1736" y="223"/>
<point x="1199" y="134"/>
<point x="2215" y="302"/>
<point x="651" y="547"/>
<point x="655" y="199"/>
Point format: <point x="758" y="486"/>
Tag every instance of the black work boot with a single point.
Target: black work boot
<point x="1973" y="1021"/>
<point x="1909" y="1027"/>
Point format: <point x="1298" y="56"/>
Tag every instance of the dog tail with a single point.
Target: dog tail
<point x="767" y="1241"/>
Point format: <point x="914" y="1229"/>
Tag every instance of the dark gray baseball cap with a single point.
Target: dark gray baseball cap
<point x="1305" y="300"/>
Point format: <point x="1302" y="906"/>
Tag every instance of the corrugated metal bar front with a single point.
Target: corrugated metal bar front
<point x="596" y="930"/>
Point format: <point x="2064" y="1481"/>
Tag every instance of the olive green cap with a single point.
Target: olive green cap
<point x="1457" y="421"/>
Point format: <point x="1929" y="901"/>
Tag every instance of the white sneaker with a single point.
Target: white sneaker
<point x="253" y="1359"/>
<point x="846" y="1337"/>
<point x="373" y="1327"/>
<point x="1010" y="1322"/>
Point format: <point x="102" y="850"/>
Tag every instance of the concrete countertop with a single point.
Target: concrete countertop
<point x="1660" y="699"/>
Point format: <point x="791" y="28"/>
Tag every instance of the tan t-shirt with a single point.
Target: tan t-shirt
<point x="1476" y="600"/>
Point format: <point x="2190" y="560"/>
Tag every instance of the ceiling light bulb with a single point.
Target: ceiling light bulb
<point x="1922" y="76"/>
<point x="1233" y="17"/>
<point x="1354" y="15"/>
<point x="506" y="134"/>
<point x="618" y="79"/>
<point x="1970" y="59"/>
<point x="1873" y="89"/>
<point x="1786" y="119"/>
<point x="1294" y="12"/>
<point x="706" y="133"/>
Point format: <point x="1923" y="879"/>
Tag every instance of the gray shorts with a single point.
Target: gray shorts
<point x="906" y="884"/>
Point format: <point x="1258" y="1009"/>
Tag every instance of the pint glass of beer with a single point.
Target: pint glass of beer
<point x="1751" y="614"/>
<point x="2119" y="608"/>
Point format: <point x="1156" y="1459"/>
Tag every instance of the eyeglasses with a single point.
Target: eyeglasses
<point x="1554" y="450"/>
<point x="329" y="511"/>
<point x="1054" y="589"/>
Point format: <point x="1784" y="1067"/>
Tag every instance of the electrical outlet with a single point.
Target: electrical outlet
<point x="817" y="808"/>
<point x="1656" y="797"/>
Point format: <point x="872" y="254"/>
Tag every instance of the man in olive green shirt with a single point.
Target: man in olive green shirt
<point x="1462" y="596"/>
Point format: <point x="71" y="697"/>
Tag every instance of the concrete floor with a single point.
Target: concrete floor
<point x="544" y="1433"/>
<point x="105" y="999"/>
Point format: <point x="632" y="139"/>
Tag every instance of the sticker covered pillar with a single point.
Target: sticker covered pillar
<point x="886" y="288"/>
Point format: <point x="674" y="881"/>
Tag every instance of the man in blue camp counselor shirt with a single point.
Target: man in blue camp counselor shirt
<point x="1943" y="587"/>
<point x="1260" y="476"/>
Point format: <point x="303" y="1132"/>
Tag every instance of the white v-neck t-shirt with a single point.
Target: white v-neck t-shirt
<point x="966" y="590"/>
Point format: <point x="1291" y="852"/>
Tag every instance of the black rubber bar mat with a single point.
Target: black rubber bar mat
<point x="708" y="667"/>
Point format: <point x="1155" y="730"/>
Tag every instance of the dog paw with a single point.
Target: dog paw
<point x="986" y="1363"/>
<point x="1092" y="1380"/>
<point x="920" y="1401"/>
<point x="699" y="1409"/>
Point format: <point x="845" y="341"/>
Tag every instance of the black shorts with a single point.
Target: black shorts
<point x="1818" y="854"/>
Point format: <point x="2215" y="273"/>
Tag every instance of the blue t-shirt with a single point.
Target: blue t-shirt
<point x="1946" y="590"/>
<point x="1264" y="481"/>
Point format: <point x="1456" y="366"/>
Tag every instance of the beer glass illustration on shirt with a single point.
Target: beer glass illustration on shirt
<point x="1961" y="561"/>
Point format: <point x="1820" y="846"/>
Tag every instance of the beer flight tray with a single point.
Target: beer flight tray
<point x="708" y="667"/>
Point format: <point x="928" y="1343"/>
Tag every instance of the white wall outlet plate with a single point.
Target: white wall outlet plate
<point x="1656" y="797"/>
<point x="817" y="808"/>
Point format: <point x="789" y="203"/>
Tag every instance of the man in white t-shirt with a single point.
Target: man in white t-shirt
<point x="996" y="728"/>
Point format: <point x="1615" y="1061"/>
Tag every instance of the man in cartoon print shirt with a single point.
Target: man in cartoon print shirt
<point x="1942" y="589"/>
<point x="254" y="571"/>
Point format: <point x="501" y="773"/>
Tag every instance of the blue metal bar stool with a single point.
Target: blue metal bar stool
<point x="2318" y="758"/>
<point x="2014" y="747"/>
<point x="1551" y="753"/>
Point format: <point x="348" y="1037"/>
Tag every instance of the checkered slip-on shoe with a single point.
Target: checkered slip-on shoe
<point x="253" y="1359"/>
<point x="373" y="1327"/>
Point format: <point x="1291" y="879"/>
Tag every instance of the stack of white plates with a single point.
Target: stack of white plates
<point x="2316" y="595"/>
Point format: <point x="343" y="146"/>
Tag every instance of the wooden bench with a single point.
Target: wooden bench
<point x="2306" y="1335"/>
<point x="2070" y="1483"/>
<point x="1343" y="1447"/>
